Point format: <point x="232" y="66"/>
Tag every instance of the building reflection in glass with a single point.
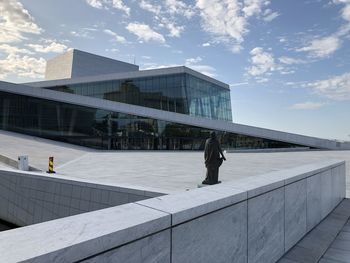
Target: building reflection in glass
<point x="181" y="93"/>
<point x="110" y="130"/>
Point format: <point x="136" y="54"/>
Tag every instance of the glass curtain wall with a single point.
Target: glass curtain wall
<point x="181" y="93"/>
<point x="110" y="130"/>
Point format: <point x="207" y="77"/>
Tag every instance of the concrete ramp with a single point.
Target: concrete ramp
<point x="38" y="150"/>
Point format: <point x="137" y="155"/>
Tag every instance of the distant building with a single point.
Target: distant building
<point x="108" y="104"/>
<point x="76" y="63"/>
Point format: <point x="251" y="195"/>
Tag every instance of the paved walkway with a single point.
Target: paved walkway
<point x="329" y="242"/>
<point x="39" y="150"/>
<point x="4" y="166"/>
<point x="165" y="171"/>
<point x="178" y="171"/>
<point x="339" y="251"/>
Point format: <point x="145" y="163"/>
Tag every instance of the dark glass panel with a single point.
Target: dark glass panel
<point x="182" y="93"/>
<point x="111" y="130"/>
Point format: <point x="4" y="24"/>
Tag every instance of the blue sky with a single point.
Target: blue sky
<point x="287" y="62"/>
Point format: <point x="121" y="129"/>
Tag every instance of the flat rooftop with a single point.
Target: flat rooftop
<point x="177" y="171"/>
<point x="127" y="75"/>
<point x="163" y="171"/>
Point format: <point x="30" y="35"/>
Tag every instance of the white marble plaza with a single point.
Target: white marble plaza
<point x="263" y="208"/>
<point x="162" y="171"/>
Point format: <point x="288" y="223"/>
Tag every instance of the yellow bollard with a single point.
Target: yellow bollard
<point x="51" y="171"/>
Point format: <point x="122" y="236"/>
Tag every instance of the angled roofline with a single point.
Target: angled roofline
<point x="107" y="105"/>
<point x="74" y="50"/>
<point x="126" y="75"/>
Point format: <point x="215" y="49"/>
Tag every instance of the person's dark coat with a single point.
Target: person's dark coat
<point x="212" y="153"/>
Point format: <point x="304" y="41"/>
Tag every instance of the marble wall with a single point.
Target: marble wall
<point x="248" y="221"/>
<point x="30" y="198"/>
<point x="295" y="213"/>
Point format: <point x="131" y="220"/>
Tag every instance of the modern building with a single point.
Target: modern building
<point x="108" y="104"/>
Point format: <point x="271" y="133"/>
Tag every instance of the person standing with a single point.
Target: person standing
<point x="212" y="153"/>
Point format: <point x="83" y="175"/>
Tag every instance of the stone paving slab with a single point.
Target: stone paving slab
<point x="178" y="171"/>
<point x="328" y="261"/>
<point x="328" y="242"/>
<point x="171" y="171"/>
<point x="337" y="255"/>
<point x="339" y="251"/>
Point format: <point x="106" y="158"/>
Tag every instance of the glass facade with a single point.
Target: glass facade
<point x="110" y="130"/>
<point x="181" y="93"/>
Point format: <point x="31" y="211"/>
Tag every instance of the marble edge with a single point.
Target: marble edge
<point x="245" y="188"/>
<point x="318" y="167"/>
<point x="210" y="199"/>
<point x="300" y="172"/>
<point x="128" y="189"/>
<point x="186" y="206"/>
<point x="33" y="243"/>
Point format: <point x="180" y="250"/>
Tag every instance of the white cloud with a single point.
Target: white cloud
<point x="176" y="51"/>
<point x="175" y="30"/>
<point x="335" y="88"/>
<point x="15" y="20"/>
<point x="206" y="44"/>
<point x="227" y="20"/>
<point x="107" y="4"/>
<point x="115" y="36"/>
<point x="84" y="33"/>
<point x="346" y="13"/>
<point x="193" y="63"/>
<point x="165" y="15"/>
<point x="118" y="4"/>
<point x="326" y="46"/>
<point x="323" y="47"/>
<point x="152" y="65"/>
<point x="341" y="1"/>
<point x="23" y="66"/>
<point x="252" y="7"/>
<point x="15" y="23"/>
<point x="238" y="84"/>
<point x="156" y="9"/>
<point x="179" y="7"/>
<point x="113" y="50"/>
<point x="261" y="79"/>
<point x="307" y="106"/>
<point x="262" y="62"/>
<point x="193" y="60"/>
<point x="223" y="19"/>
<point x="343" y="30"/>
<point x="282" y="40"/>
<point x="287" y="72"/>
<point x="95" y="3"/>
<point x="291" y="61"/>
<point x="145" y="33"/>
<point x="7" y="49"/>
<point x="202" y="68"/>
<point x="269" y="15"/>
<point x="50" y="46"/>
